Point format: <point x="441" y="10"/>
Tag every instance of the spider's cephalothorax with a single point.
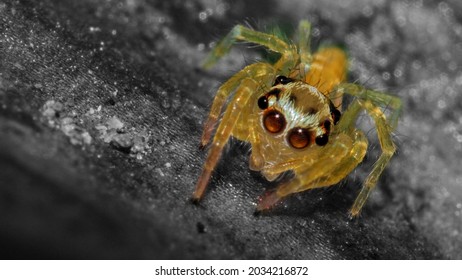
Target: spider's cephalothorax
<point x="290" y="113"/>
<point x="298" y="112"/>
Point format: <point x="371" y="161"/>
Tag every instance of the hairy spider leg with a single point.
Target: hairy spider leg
<point x="378" y="98"/>
<point x="388" y="149"/>
<point x="347" y="124"/>
<point x="304" y="41"/>
<point x="225" y="90"/>
<point x="256" y="160"/>
<point x="234" y="109"/>
<point x="272" y="42"/>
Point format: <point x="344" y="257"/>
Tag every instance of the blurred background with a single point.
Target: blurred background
<point x="101" y="110"/>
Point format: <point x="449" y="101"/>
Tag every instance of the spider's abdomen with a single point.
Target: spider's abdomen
<point x="328" y="69"/>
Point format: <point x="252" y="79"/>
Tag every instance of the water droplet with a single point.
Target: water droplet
<point x="386" y="76"/>
<point x="159" y="171"/>
<point x="203" y="16"/>
<point x="367" y="11"/>
<point x="94" y="29"/>
<point x="441" y="104"/>
<point x="398" y="73"/>
<point x="222" y="8"/>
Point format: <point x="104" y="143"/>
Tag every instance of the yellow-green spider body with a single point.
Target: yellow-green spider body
<point x="291" y="114"/>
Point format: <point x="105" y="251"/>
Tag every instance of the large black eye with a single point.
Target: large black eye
<point x="299" y="138"/>
<point x="282" y="80"/>
<point x="335" y="115"/>
<point x="274" y="121"/>
<point x="322" y="140"/>
<point x="263" y="102"/>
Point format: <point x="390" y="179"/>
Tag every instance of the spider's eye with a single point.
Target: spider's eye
<point x="274" y="121"/>
<point x="282" y="80"/>
<point x="335" y="115"/>
<point x="299" y="138"/>
<point x="322" y="140"/>
<point x="263" y="102"/>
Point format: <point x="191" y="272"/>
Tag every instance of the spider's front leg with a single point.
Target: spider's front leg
<point x="254" y="71"/>
<point x="243" y="94"/>
<point x="371" y="101"/>
<point x="388" y="149"/>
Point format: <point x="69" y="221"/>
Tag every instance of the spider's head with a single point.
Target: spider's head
<point x="295" y="115"/>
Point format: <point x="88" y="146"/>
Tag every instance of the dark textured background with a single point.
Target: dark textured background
<point x="102" y="104"/>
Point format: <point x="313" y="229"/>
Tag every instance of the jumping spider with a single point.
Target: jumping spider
<point x="291" y="113"/>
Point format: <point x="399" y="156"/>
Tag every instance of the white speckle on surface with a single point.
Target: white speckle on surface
<point x="93" y="29"/>
<point x="86" y="137"/>
<point x="159" y="171"/>
<point x="114" y="123"/>
<point x="203" y="16"/>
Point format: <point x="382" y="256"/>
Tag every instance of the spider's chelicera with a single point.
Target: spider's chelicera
<point x="291" y="113"/>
